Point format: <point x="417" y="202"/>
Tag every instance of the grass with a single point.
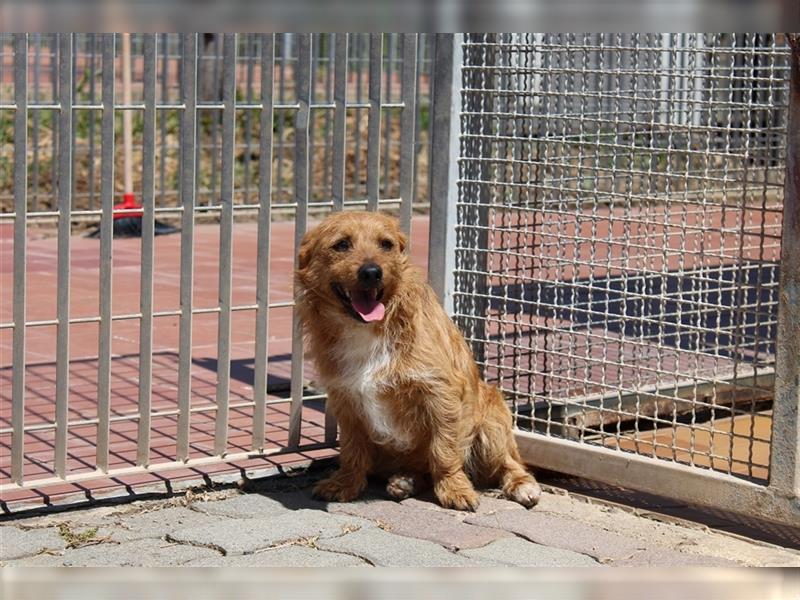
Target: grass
<point x="77" y="539"/>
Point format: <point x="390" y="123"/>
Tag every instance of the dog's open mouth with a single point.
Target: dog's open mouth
<point x="363" y="305"/>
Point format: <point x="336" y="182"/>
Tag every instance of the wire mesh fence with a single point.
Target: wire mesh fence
<point x="120" y="357"/>
<point x="619" y="229"/>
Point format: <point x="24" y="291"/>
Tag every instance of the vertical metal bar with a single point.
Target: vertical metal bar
<point x="91" y="125"/>
<point x="421" y="45"/>
<point x="444" y="166"/>
<point x="162" y="158"/>
<point x="106" y="251"/>
<point x="37" y="68"/>
<point x="226" y="241"/>
<point x="328" y="144"/>
<point x="359" y="43"/>
<point x="188" y="199"/>
<point x="374" y="123"/>
<point x="127" y="115"/>
<point x="148" y="231"/>
<point x="408" y="141"/>
<point x="77" y="116"/>
<point x="339" y="120"/>
<point x="20" y="247"/>
<point x="214" y="123"/>
<point x="431" y="96"/>
<point x="281" y="115"/>
<point x="312" y="136"/>
<point x="339" y="155"/>
<point x="264" y="226"/>
<point x="64" y="218"/>
<point x="391" y="40"/>
<point x="54" y="80"/>
<point x="250" y="45"/>
<point x="784" y="471"/>
<point x="301" y="221"/>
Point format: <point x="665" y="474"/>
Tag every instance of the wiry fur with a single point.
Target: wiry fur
<point x="405" y="390"/>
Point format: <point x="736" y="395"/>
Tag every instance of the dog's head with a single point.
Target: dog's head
<point x="352" y="263"/>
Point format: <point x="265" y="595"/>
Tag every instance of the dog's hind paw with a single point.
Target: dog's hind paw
<point x="401" y="487"/>
<point x="526" y="493"/>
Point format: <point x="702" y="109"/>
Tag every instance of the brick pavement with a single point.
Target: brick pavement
<point x="275" y="522"/>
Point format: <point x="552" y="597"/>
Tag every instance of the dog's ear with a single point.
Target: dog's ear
<point x="306" y="250"/>
<point x="402" y="240"/>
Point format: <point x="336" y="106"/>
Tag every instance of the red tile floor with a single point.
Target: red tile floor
<point x="84" y="298"/>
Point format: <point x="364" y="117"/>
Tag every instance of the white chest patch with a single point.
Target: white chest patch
<point x="364" y="361"/>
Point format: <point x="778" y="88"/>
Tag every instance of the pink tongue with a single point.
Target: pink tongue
<point x="367" y="306"/>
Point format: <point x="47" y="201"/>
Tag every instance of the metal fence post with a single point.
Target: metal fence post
<point x="444" y="165"/>
<point x="20" y="252"/>
<point x="301" y="194"/>
<point x="785" y="451"/>
<point x="64" y="189"/>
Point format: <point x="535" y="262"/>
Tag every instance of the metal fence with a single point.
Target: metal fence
<point x="86" y="74"/>
<point x="619" y="204"/>
<point x="611" y="225"/>
<point x="105" y="377"/>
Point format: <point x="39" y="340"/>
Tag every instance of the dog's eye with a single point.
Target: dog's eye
<point x="342" y="245"/>
<point x="387" y="244"/>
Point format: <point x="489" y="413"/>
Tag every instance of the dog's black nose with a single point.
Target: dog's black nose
<point x="370" y="275"/>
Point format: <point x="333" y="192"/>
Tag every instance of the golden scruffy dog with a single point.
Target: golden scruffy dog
<point x="400" y="378"/>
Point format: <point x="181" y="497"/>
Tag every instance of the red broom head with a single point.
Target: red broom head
<point x="128" y="203"/>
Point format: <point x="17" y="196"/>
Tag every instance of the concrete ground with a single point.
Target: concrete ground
<point x="273" y="521"/>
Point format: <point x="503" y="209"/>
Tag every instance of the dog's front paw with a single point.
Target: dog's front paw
<point x="454" y="493"/>
<point x="339" y="489"/>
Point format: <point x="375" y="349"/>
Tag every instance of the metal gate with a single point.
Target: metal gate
<point x="616" y="213"/>
<point x="173" y="352"/>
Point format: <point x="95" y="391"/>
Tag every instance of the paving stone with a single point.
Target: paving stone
<point x="245" y="506"/>
<point x="139" y="553"/>
<point x="659" y="534"/>
<point x="561" y="532"/>
<point x="290" y="500"/>
<point x="666" y="557"/>
<point x="385" y="549"/>
<point x="517" y="552"/>
<point x="16" y="543"/>
<point x="422" y="523"/>
<point x="244" y="536"/>
<point x="287" y="556"/>
<point x="155" y="524"/>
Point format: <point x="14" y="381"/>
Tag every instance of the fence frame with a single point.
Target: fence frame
<point x="778" y="501"/>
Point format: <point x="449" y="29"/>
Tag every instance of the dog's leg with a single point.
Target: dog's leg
<point x="454" y="490"/>
<point x="498" y="455"/>
<point x="355" y="462"/>
<point x="451" y="485"/>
